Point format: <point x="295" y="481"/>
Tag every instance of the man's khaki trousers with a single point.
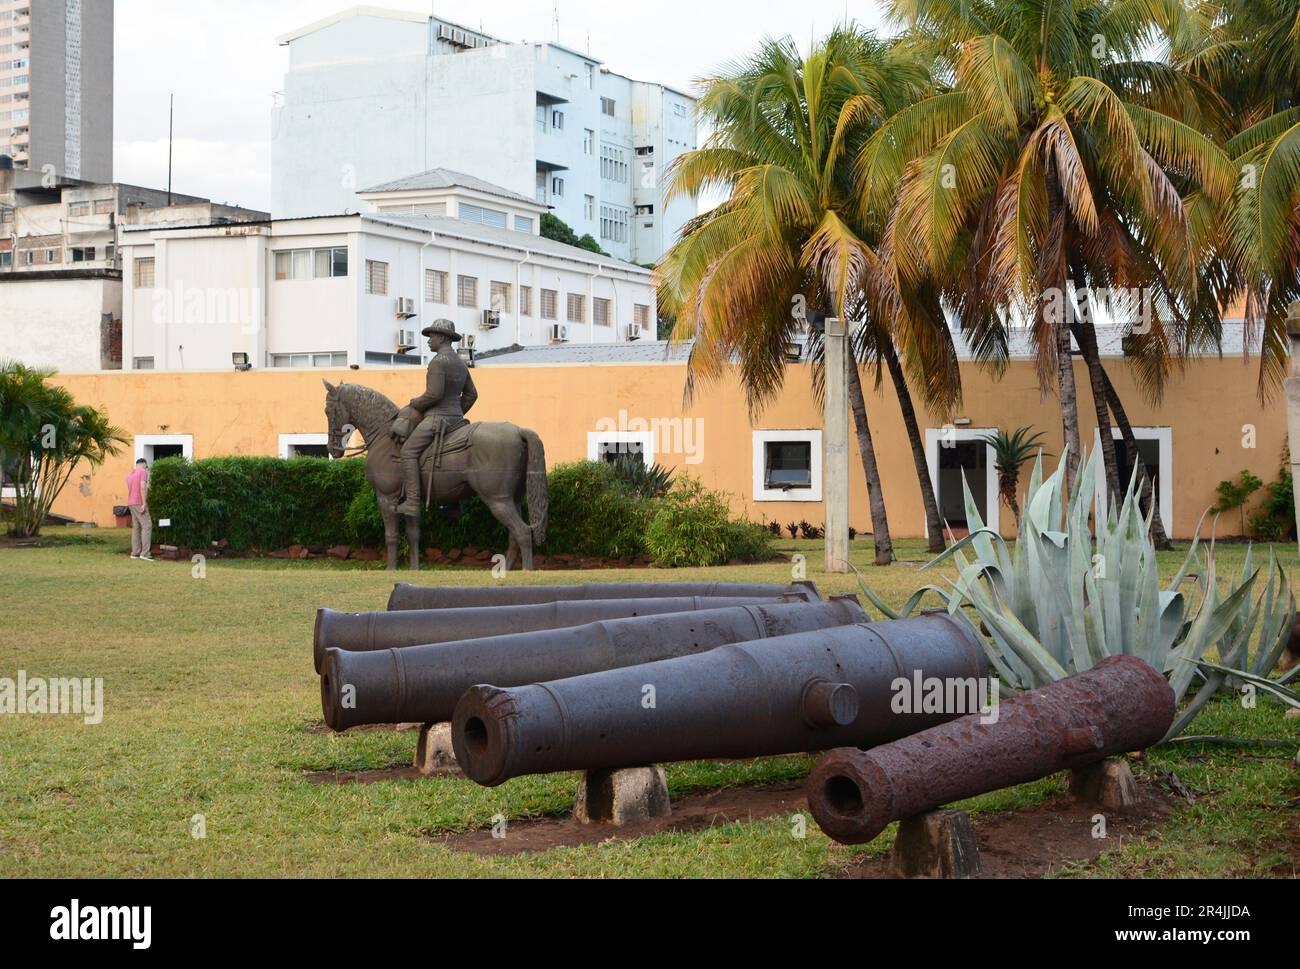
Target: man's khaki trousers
<point x="141" y="532"/>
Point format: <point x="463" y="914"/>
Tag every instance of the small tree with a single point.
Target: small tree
<point x="1235" y="494"/>
<point x="44" y="436"/>
<point x="557" y="230"/>
<point x="1011" y="451"/>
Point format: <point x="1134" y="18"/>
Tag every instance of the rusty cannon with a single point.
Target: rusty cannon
<point x="371" y="631"/>
<point x="808" y="691"/>
<point x="422" y="684"/>
<point x="408" y="597"/>
<point x="1120" y="705"/>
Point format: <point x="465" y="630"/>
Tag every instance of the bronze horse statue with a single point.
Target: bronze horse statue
<point x="501" y="463"/>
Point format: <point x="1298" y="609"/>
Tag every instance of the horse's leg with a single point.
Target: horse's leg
<point x="388" y="509"/>
<point x="413" y="540"/>
<point x="512" y="554"/>
<point x="504" y="511"/>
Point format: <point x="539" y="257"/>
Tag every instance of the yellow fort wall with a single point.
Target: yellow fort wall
<point x="1209" y="409"/>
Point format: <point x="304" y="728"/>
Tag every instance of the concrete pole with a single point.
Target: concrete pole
<point x="1293" y="394"/>
<point x="835" y="476"/>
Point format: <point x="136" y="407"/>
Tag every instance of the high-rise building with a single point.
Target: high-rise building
<point x="56" y="87"/>
<point x="375" y="96"/>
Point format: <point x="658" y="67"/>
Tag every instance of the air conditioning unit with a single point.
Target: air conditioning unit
<point x="633" y="332"/>
<point x="407" y="340"/>
<point x="405" y="308"/>
<point x="559" y="333"/>
<point x="491" y="319"/>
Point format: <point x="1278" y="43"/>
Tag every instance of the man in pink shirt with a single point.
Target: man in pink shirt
<point x="137" y="498"/>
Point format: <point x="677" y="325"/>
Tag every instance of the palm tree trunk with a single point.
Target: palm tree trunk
<point x="1064" y="350"/>
<point x="1086" y="335"/>
<point x="879" y="518"/>
<point x="933" y="523"/>
<point x="1150" y="505"/>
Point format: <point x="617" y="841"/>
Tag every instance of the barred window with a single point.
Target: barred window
<point x="550" y="304"/>
<point x="467" y="291"/>
<point x="435" y="286"/>
<point x="577" y="308"/>
<point x="641" y="315"/>
<point x="525" y="301"/>
<point x="500" y="297"/>
<point x="376" y="277"/>
<point x="144" y="274"/>
<point x="600" y="308"/>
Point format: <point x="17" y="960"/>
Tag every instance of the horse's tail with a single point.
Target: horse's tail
<point x="539" y="500"/>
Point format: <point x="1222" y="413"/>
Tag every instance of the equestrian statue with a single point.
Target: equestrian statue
<point x="427" y="453"/>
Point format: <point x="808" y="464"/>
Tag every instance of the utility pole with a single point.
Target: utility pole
<point x="171" y="139"/>
<point x="836" y="473"/>
<point x="1293" y="394"/>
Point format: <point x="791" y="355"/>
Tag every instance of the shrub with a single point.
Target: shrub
<point x="595" y="513"/>
<point x="693" y="527"/>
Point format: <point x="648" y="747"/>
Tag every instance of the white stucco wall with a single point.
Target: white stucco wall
<point x="56" y="322"/>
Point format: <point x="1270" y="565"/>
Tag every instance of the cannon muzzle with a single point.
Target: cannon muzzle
<point x="422" y="684"/>
<point x="807" y="691"/>
<point x="1120" y="705"/>
<point x="407" y="597"/>
<point x="370" y="631"/>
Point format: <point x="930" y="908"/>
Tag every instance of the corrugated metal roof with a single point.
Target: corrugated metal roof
<point x="439" y="178"/>
<point x="475" y="232"/>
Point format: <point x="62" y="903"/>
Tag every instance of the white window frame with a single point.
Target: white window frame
<point x="934" y="440"/>
<point x="288" y="441"/>
<point x="1165" y="435"/>
<point x="143" y="441"/>
<point x="644" y="438"/>
<point x="762" y="439"/>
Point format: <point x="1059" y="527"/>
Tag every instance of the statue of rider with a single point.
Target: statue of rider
<point x="440" y="410"/>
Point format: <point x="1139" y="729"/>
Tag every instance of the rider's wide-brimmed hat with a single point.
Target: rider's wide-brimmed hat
<point x="442" y="328"/>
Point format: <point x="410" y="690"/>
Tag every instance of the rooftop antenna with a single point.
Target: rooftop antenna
<point x="171" y="140"/>
<point x="557" y="21"/>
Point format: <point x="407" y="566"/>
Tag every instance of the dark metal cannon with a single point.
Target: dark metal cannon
<point x="1120" y="705"/>
<point x="406" y="597"/>
<point x="370" y="631"/>
<point x="809" y="691"/>
<point x="422" y="684"/>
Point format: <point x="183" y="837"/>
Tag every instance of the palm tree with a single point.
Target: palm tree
<point x="1011" y="452"/>
<point x="44" y="437"/>
<point x="786" y="131"/>
<point x="1057" y="162"/>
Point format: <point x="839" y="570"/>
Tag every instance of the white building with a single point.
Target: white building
<point x="374" y="95"/>
<point x="355" y="290"/>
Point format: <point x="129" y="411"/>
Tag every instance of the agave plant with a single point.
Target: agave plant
<point x="1011" y="452"/>
<point x="648" y="482"/>
<point x="1059" y="602"/>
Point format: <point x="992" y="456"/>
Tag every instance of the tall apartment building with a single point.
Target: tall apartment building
<point x="56" y="87"/>
<point x="375" y="96"/>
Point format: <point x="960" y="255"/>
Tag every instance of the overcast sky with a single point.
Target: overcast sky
<point x="221" y="60"/>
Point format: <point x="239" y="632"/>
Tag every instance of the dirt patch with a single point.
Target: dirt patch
<point x="319" y="729"/>
<point x="694" y="812"/>
<point x="1038" y="841"/>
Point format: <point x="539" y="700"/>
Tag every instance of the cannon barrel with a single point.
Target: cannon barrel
<point x="406" y="597"/>
<point x="370" y="631"/>
<point x="808" y="691"/>
<point x="1120" y="705"/>
<point x="422" y="684"/>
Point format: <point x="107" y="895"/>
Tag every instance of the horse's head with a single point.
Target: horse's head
<point x="339" y="415"/>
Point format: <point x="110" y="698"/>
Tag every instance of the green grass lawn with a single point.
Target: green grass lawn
<point x="210" y="697"/>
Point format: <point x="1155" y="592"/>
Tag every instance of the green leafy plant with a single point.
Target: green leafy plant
<point x="648" y="482"/>
<point x="1233" y="495"/>
<point x="1059" y="602"/>
<point x="45" y="435"/>
<point x="692" y="527"/>
<point x="1275" y="520"/>
<point x="1011" y="452"/>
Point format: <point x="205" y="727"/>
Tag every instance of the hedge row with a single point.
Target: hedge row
<point x="266" y="504"/>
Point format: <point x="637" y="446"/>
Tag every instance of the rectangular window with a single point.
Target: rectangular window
<point x="523" y="225"/>
<point x="103" y="206"/>
<point x="83" y="254"/>
<point x="142" y="363"/>
<point x="525" y="301"/>
<point x="303" y="361"/>
<point x="435" y="286"/>
<point x="78" y="208"/>
<point x="376" y="277"/>
<point x="600" y="310"/>
<point x="557" y="120"/>
<point x="550" y="304"/>
<point x="339" y="260"/>
<point x="789" y="465"/>
<point x="144" y="274"/>
<point x="607" y="106"/>
<point x="589" y="142"/>
<point x="467" y="291"/>
<point x="641" y="316"/>
<point x="476" y="213"/>
<point x="589" y="207"/>
<point x="6" y="260"/>
<point x="311" y="263"/>
<point x="557" y="187"/>
<point x="500" y="293"/>
<point x="577" y="308"/>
